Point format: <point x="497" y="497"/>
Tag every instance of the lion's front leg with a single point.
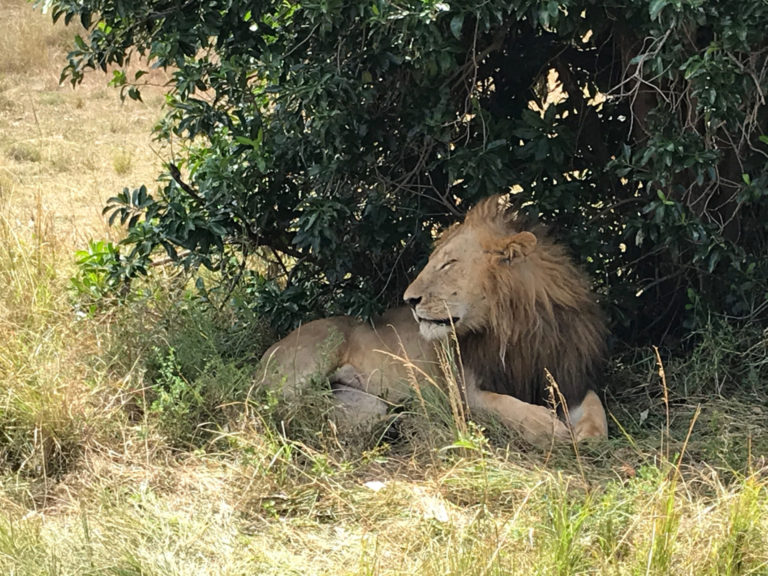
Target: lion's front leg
<point x="588" y="418"/>
<point x="536" y="424"/>
<point x="540" y="425"/>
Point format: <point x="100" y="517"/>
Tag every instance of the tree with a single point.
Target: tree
<point x="334" y="138"/>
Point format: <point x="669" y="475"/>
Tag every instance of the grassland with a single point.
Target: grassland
<point x="131" y="442"/>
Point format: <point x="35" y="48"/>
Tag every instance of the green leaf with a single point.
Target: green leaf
<point x="714" y="258"/>
<point x="246" y="141"/>
<point x="656" y="7"/>
<point x="86" y="18"/>
<point x="118" y="78"/>
<point x="457" y="22"/>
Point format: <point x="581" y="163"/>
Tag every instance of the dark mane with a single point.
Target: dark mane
<point x="543" y="317"/>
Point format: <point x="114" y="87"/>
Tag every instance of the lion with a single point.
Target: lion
<point x="530" y="335"/>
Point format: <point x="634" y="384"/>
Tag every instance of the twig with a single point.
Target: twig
<point x="663" y="377"/>
<point x="176" y="175"/>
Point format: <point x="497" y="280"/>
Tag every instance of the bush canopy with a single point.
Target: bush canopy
<point x="333" y="139"/>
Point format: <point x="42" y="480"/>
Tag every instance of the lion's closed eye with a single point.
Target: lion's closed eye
<point x="448" y="264"/>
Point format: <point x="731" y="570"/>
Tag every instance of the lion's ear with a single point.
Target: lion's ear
<point x="516" y="246"/>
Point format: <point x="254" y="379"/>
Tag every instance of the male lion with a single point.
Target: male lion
<point x="520" y="309"/>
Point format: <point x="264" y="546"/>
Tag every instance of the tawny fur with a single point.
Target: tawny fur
<point x="543" y="317"/>
<point x="519" y="307"/>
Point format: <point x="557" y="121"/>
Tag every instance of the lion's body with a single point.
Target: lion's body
<point x="520" y="310"/>
<point x="323" y="347"/>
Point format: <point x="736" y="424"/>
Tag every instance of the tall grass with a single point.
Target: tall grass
<point x="41" y="409"/>
<point x="29" y="42"/>
<point x="133" y="443"/>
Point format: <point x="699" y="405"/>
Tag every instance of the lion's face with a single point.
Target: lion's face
<point x="452" y="290"/>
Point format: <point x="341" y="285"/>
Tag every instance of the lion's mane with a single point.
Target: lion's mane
<point x="543" y="318"/>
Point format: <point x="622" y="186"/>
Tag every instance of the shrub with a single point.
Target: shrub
<point x="333" y="139"/>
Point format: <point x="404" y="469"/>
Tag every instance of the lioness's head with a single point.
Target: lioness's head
<point x="461" y="279"/>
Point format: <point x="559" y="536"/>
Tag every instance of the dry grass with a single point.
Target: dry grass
<point x="29" y="44"/>
<point x="122" y="162"/>
<point x="74" y="147"/>
<point x="131" y="443"/>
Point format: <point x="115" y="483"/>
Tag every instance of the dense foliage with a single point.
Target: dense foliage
<point x="333" y="138"/>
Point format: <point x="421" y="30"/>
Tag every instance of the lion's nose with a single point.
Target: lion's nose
<point x="412" y="302"/>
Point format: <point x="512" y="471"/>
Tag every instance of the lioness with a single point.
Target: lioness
<point x="519" y="307"/>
